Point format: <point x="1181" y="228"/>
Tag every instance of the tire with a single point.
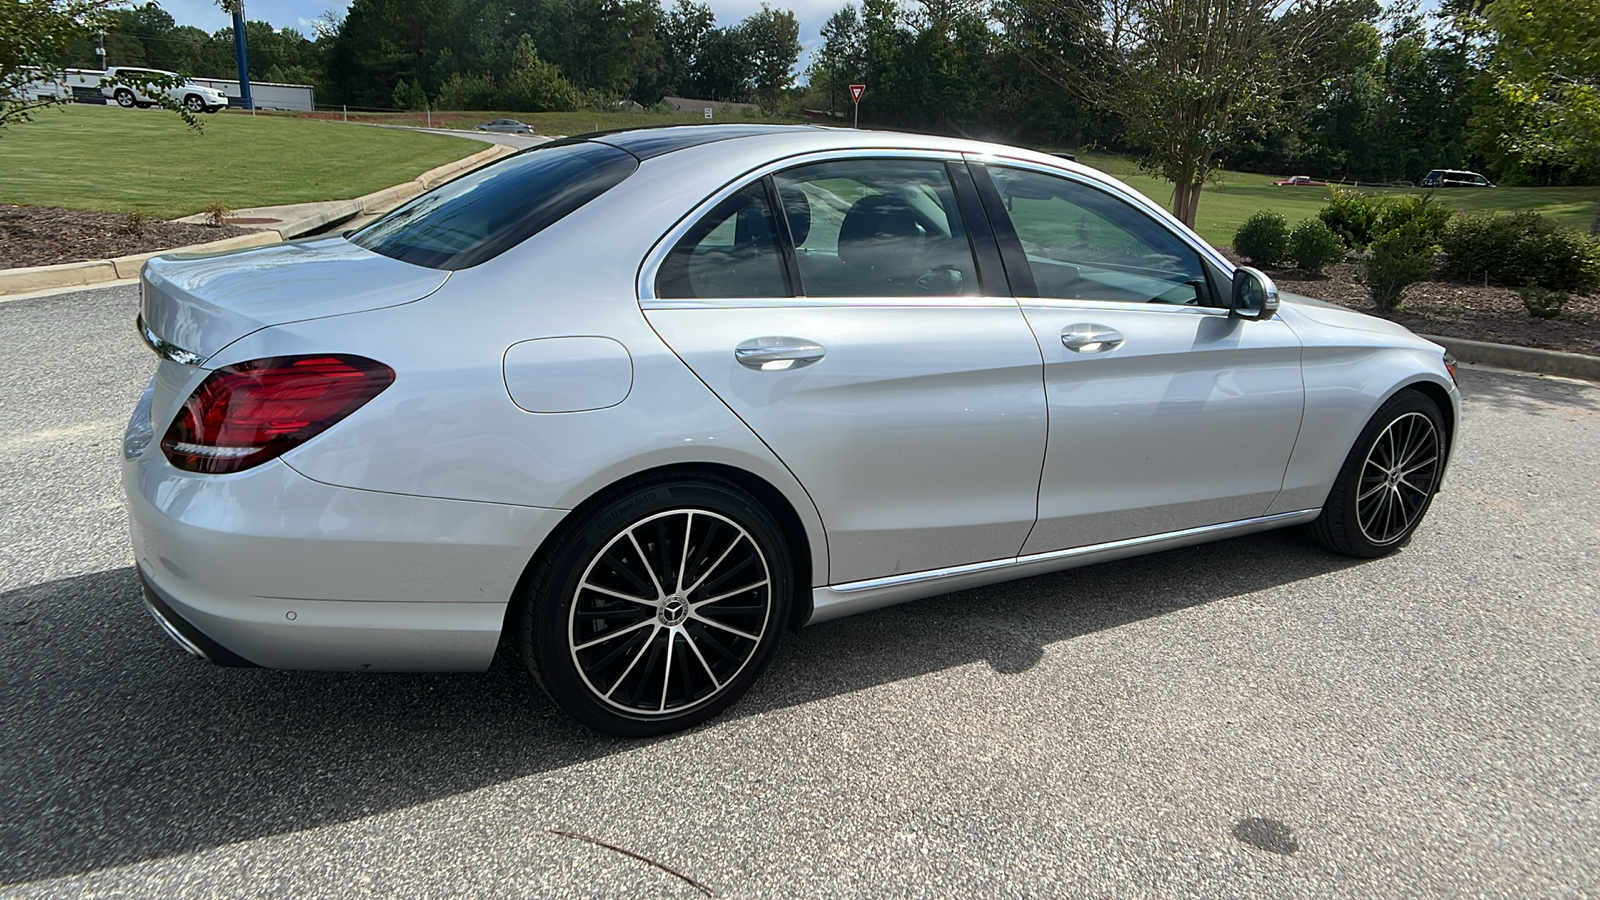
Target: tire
<point x="630" y="645"/>
<point x="124" y="98"/>
<point x="195" y="103"/>
<point x="1387" y="482"/>
<point x="213" y="110"/>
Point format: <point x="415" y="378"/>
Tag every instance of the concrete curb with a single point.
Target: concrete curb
<point x="1521" y="359"/>
<point x="307" y="217"/>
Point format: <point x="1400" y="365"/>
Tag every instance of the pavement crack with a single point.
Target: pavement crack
<point x="640" y="857"/>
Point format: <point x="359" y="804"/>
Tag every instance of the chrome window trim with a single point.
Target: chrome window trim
<point x="1126" y="194"/>
<point x="646" y="283"/>
<point x="166" y="349"/>
<point x="1086" y="303"/>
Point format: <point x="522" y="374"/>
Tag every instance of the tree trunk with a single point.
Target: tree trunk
<point x="1186" y="201"/>
<point x="1594" y="224"/>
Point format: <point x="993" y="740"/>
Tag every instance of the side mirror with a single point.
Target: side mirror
<point x="1254" y="295"/>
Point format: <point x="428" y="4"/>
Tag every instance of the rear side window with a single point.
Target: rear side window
<point x="732" y="252"/>
<point x="481" y="215"/>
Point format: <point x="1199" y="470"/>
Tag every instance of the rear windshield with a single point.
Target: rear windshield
<point x="481" y="215"/>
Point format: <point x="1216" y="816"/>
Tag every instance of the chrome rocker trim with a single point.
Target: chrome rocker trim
<point x="839" y="600"/>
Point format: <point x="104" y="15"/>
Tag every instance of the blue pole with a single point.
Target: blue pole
<point x="241" y="57"/>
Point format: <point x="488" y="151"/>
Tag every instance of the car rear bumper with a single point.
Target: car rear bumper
<point x="269" y="568"/>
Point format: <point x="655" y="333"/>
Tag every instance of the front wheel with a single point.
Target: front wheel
<point x="658" y="605"/>
<point x="194" y="103"/>
<point x="1387" y="482"/>
<point x="124" y="98"/>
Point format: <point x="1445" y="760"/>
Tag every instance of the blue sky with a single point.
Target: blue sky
<point x="298" y="14"/>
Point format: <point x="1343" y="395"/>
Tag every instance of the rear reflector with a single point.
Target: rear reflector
<point x="245" y="414"/>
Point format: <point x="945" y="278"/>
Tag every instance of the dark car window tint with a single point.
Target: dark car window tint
<point x="732" y="252"/>
<point x="1084" y="243"/>
<point x="479" y="216"/>
<point x="877" y="228"/>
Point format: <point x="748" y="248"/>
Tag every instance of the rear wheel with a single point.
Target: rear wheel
<point x="1388" y="481"/>
<point x="124" y="98"/>
<point x="658" y="606"/>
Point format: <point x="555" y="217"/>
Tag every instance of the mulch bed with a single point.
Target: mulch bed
<point x="1476" y="312"/>
<point x="43" y="236"/>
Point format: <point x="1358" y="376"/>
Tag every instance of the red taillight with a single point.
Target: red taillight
<point x="245" y="414"/>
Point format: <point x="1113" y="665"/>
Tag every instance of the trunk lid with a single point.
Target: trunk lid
<point x="193" y="304"/>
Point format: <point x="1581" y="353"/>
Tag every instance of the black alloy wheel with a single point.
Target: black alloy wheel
<point x="1388" y="481"/>
<point x="658" y="605"/>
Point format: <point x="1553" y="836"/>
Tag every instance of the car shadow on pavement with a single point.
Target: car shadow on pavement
<point x="118" y="748"/>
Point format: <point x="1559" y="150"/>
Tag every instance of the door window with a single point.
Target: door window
<point x="732" y="252"/>
<point x="1083" y="243"/>
<point x="877" y="227"/>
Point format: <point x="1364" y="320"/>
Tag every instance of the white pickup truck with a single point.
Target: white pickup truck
<point x="118" y="86"/>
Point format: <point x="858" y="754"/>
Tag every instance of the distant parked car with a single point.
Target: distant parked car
<point x="509" y="126"/>
<point x="1299" y="181"/>
<point x="121" y="85"/>
<point x="1454" y="178"/>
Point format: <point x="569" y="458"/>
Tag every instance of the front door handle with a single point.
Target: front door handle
<point x="1086" y="338"/>
<point x="775" y="354"/>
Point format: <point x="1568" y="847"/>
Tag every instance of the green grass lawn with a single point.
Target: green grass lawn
<point x="1225" y="206"/>
<point x="119" y="160"/>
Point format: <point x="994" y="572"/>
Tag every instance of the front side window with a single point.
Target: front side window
<point x="877" y="228"/>
<point x="732" y="252"/>
<point x="1083" y="243"/>
<point x="481" y="215"/>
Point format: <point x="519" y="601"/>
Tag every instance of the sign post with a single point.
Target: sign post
<point x="856" y="90"/>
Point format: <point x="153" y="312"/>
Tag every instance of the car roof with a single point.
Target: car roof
<point x="649" y="142"/>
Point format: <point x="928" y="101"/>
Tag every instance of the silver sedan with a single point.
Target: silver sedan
<point x="642" y="402"/>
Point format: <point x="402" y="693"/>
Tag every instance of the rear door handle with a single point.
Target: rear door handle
<point x="1086" y="338"/>
<point x="775" y="354"/>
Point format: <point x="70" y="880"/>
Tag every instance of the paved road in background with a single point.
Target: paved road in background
<point x="1248" y="718"/>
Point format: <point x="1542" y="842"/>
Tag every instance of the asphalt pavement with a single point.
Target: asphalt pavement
<point x="1248" y="718"/>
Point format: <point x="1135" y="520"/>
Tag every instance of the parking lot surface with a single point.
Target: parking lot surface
<point x="1248" y="718"/>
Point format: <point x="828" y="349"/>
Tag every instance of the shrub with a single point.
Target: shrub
<point x="408" y="95"/>
<point x="1398" y="259"/>
<point x="136" y="222"/>
<point x="1313" y="245"/>
<point x="1543" y="303"/>
<point x="1395" y="212"/>
<point x="217" y="213"/>
<point x="1522" y="248"/>
<point x="1351" y="215"/>
<point x="1263" y="238"/>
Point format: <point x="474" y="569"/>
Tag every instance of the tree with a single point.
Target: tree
<point x="841" y="59"/>
<point x="1546" y="62"/>
<point x="773" y="36"/>
<point x="1186" y="76"/>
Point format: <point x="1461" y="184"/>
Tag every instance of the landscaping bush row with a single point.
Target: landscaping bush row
<point x="1403" y="238"/>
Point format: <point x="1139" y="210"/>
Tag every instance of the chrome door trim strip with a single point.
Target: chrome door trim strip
<point x="956" y="302"/>
<point x="836" y="601"/>
<point x="166" y="349"/>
